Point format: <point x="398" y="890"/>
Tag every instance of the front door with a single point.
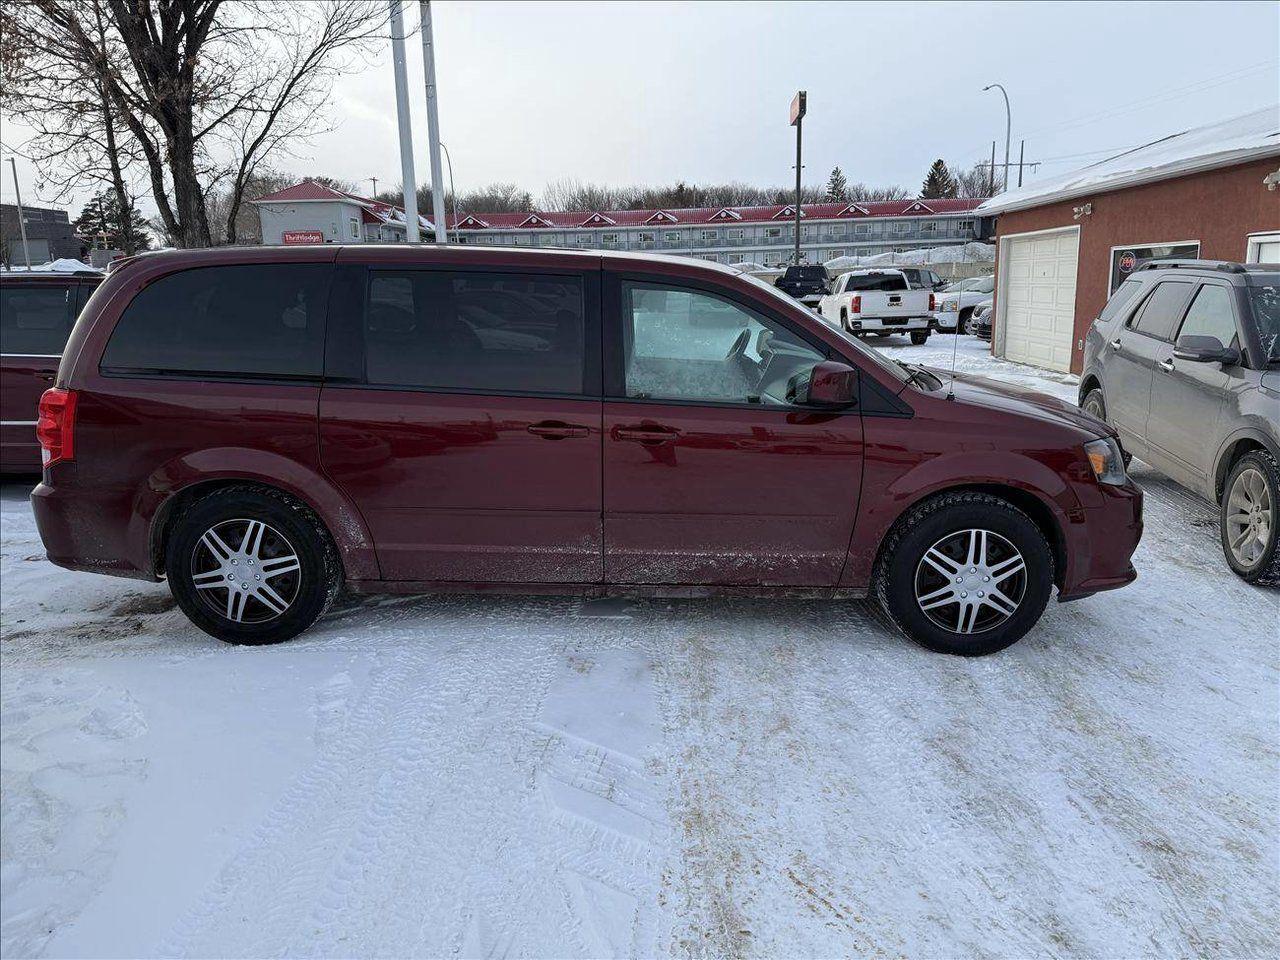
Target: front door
<point x="1187" y="397"/>
<point x="710" y="475"/>
<point x="467" y="430"/>
<point x="1135" y="348"/>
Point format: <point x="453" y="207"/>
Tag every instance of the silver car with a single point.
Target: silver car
<point x="1184" y="362"/>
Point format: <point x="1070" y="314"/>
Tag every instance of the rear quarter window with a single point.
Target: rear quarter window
<point x="1122" y="298"/>
<point x="255" y="320"/>
<point x="35" y="319"/>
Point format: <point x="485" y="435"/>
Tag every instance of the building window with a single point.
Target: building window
<point x="903" y="226"/>
<point x="671" y="236"/>
<point x="736" y="233"/>
<point x="965" y="226"/>
<point x="929" y="228"/>
<point x="584" y="239"/>
<point x="646" y="237"/>
<point x="609" y="239"/>
<point x="862" y="229"/>
<point x="836" y="253"/>
<point x="709" y="236"/>
<point x="773" y="233"/>
<point x="714" y="258"/>
<point x="354" y="223"/>
<point x="736" y="257"/>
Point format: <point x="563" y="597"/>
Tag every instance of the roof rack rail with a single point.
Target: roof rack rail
<point x="1226" y="266"/>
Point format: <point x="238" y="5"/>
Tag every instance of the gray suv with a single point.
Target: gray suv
<point x="1184" y="362"/>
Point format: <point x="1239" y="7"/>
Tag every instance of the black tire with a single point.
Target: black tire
<point x="1095" y="404"/>
<point x="918" y="337"/>
<point x="308" y="591"/>
<point x="901" y="565"/>
<point x="962" y="320"/>
<point x="1263" y="570"/>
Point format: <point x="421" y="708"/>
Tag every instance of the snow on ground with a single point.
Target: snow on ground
<point x="489" y="776"/>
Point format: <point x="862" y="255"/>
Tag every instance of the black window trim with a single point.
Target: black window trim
<point x="1130" y="323"/>
<point x="344" y="355"/>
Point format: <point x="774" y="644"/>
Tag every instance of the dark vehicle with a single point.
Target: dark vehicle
<point x="979" y="324"/>
<point x="36" y="314"/>
<point x="262" y="426"/>
<point x="808" y="284"/>
<point x="1185" y="362"/>
<point x="922" y="278"/>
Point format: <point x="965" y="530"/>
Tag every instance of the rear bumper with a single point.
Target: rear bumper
<point x="876" y="324"/>
<point x="1101" y="544"/>
<point x="90" y="531"/>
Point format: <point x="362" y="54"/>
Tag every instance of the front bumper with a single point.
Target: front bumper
<point x="1101" y="540"/>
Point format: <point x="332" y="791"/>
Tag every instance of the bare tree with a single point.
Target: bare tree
<point x="975" y="182"/>
<point x="204" y="91"/>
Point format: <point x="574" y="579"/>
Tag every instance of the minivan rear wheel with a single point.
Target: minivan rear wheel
<point x="1249" y="520"/>
<point x="249" y="566"/>
<point x="965" y="573"/>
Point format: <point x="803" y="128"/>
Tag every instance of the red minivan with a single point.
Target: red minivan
<point x="264" y="426"/>
<point x="36" y="314"/>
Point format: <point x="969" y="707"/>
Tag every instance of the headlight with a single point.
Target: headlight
<point x="948" y="306"/>
<point x="1106" y="460"/>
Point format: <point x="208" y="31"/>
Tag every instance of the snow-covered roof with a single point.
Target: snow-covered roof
<point x="1250" y="136"/>
<point x="374" y="211"/>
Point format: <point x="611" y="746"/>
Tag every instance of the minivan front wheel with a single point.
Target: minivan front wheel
<point x="965" y="573"/>
<point x="1250" y="518"/>
<point x="250" y="567"/>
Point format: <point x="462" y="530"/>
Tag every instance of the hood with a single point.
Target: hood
<point x="983" y="392"/>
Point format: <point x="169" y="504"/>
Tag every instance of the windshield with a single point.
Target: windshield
<point x="859" y="350"/>
<point x="1266" y="314"/>
<point x="962" y="285"/>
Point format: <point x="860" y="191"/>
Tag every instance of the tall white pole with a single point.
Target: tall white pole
<point x="22" y="218"/>
<point x="406" y="131"/>
<point x="433" y="123"/>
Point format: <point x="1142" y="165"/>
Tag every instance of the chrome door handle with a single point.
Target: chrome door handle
<point x="1116" y="344"/>
<point x="650" y="435"/>
<point x="556" y="430"/>
<point x="1166" y="365"/>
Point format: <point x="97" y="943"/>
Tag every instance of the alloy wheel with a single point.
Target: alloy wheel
<point x="1250" y="514"/>
<point x="970" y="581"/>
<point x="246" y="571"/>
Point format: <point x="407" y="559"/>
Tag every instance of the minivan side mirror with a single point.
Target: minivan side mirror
<point x="1205" y="350"/>
<point x="830" y="384"/>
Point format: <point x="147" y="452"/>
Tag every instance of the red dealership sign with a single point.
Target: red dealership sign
<point x="302" y="236"/>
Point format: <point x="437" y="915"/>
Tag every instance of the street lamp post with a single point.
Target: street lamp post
<point x="1008" y="126"/>
<point x="22" y="218"/>
<point x="449" y="162"/>
<point x="433" y="122"/>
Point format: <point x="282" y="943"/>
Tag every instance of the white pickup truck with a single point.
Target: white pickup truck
<point x="878" y="301"/>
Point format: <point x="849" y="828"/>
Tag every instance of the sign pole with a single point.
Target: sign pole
<point x="406" y="133"/>
<point x="798" y="106"/>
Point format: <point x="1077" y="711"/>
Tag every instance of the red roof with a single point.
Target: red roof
<point x="310" y="190"/>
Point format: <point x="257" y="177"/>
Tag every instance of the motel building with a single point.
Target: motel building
<point x="310" y="212"/>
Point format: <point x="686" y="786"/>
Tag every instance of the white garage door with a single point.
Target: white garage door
<point x="1039" y="297"/>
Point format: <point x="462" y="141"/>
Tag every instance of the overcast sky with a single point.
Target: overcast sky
<point x="650" y="93"/>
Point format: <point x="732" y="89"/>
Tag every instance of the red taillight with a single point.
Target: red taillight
<point x="933" y="303"/>
<point x="856" y="306"/>
<point x="56" y="427"/>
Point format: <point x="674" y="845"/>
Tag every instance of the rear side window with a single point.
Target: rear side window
<point x="1160" y="314"/>
<point x="504" y="333"/>
<point x="1211" y="315"/>
<point x="252" y="320"/>
<point x="876" y="281"/>
<point x="35" y="320"/>
<point x="1123" y="295"/>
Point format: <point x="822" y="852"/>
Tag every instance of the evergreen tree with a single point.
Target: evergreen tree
<point x="837" y="186"/>
<point x="103" y="224"/>
<point x="939" y="183"/>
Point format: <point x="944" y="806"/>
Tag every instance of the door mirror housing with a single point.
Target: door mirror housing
<point x="1205" y="350"/>
<point x="830" y="384"/>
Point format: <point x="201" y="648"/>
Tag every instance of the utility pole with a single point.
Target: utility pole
<point x="406" y="132"/>
<point x="798" y="106"/>
<point x="375" y="186"/>
<point x="1008" y="127"/>
<point x="433" y="124"/>
<point x="22" y="219"/>
<point x="992" y="189"/>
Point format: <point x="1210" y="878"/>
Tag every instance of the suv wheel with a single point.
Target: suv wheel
<point x="965" y="573"/>
<point x="919" y="336"/>
<point x="1095" y="405"/>
<point x="250" y="567"/>
<point x="1250" y="518"/>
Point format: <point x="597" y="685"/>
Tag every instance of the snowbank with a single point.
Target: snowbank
<point x="972" y="252"/>
<point x="64" y="265"/>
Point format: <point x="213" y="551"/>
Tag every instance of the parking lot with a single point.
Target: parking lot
<point x="492" y="776"/>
